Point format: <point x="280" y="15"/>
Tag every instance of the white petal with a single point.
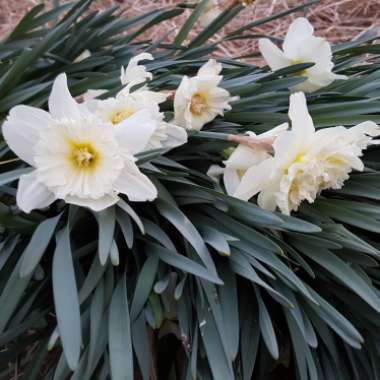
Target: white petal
<point x="210" y="68"/>
<point x="135" y="132"/>
<point x="317" y="79"/>
<point x="267" y="199"/>
<point x="137" y="186"/>
<point x="231" y="180"/>
<point x="367" y="127"/>
<point x="274" y="57"/>
<point x="299" y="30"/>
<point x="302" y="122"/>
<point x="135" y="73"/>
<point x="61" y="104"/>
<point x="90" y="102"/>
<point x="276" y="131"/>
<point x="244" y="157"/>
<point x="93" y="94"/>
<point x="255" y="180"/>
<point x="32" y="194"/>
<point x="21" y="130"/>
<point x="182" y="98"/>
<point x="317" y="50"/>
<point x="97" y="204"/>
<point x="176" y="136"/>
<point x="214" y="172"/>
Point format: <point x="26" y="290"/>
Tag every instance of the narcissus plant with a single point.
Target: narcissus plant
<point x="168" y="215"/>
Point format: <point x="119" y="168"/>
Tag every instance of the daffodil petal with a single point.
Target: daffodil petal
<point x="254" y="180"/>
<point x="210" y="68"/>
<point x="302" y="123"/>
<point x="137" y="186"/>
<point x="21" y="130"/>
<point x="97" y="204"/>
<point x="267" y="199"/>
<point x="298" y="32"/>
<point x="32" y="194"/>
<point x="135" y="132"/>
<point x="244" y="157"/>
<point x="231" y="180"/>
<point x="274" y="57"/>
<point x="61" y="104"/>
<point x="176" y="136"/>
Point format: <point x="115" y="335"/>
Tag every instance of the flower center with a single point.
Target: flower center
<point x="302" y="73"/>
<point x="83" y="156"/>
<point x="120" y="115"/>
<point x="298" y="159"/>
<point x="198" y="104"/>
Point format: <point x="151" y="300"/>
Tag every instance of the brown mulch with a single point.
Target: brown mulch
<point x="337" y="20"/>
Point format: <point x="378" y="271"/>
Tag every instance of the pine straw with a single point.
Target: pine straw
<point x="337" y="20"/>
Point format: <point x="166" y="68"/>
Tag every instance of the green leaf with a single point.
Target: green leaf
<point x="11" y="294"/>
<point x="187" y="26"/>
<point x="215" y="25"/>
<point x="266" y="327"/>
<point x="119" y="330"/>
<point x="96" y="315"/>
<point x="183" y="263"/>
<point x="144" y="285"/>
<point x="249" y="338"/>
<point x="229" y="309"/>
<point x="16" y="72"/>
<point x="129" y="210"/>
<point x="106" y="221"/>
<point x="37" y="245"/>
<point x="341" y="271"/>
<point x="13" y="175"/>
<point x="141" y="345"/>
<point x="180" y="221"/>
<point x="66" y="299"/>
<point x="221" y="366"/>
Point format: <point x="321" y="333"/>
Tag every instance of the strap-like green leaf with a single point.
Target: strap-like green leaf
<point x="119" y="331"/>
<point x="66" y="299"/>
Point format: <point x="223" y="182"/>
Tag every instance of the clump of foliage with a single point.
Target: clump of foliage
<point x="208" y="286"/>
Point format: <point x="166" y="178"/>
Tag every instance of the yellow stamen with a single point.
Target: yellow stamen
<point x="335" y="160"/>
<point x="120" y="115"/>
<point x="240" y="173"/>
<point x="199" y="104"/>
<point x="83" y="156"/>
<point x="302" y="73"/>
<point x="300" y="157"/>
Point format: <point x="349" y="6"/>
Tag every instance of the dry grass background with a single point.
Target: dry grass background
<point x="338" y="20"/>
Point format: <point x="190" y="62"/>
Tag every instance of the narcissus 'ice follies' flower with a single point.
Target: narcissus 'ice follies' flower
<point x="198" y="100"/>
<point x="135" y="73"/>
<point x="305" y="161"/>
<point x="301" y="46"/>
<point x="211" y="12"/>
<point x="76" y="156"/>
<point x="244" y="157"/>
<point x="116" y="110"/>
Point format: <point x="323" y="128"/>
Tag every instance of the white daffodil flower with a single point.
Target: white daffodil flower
<point x="116" y="110"/>
<point x="134" y="73"/>
<point x="210" y="13"/>
<point x="305" y="161"/>
<point x="76" y="156"/>
<point x="198" y="100"/>
<point x="301" y="46"/>
<point x="244" y="157"/>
